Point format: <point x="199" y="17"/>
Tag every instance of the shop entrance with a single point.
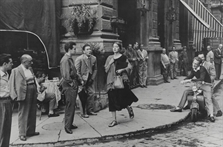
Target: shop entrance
<point x="127" y="11"/>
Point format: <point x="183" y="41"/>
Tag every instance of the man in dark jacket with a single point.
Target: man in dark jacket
<point x="69" y="85"/>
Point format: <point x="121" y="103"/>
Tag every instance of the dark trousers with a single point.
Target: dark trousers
<point x="218" y="70"/>
<point x="183" y="68"/>
<point x="90" y="100"/>
<point x="70" y="97"/>
<point x="5" y="122"/>
<point x="166" y="72"/>
<point x="27" y="112"/>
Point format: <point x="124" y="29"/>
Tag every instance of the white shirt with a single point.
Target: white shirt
<point x="27" y="72"/>
<point x="4" y="87"/>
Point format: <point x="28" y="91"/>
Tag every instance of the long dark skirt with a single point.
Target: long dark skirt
<point x="120" y="98"/>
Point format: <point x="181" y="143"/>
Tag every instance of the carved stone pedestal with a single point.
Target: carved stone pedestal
<point x="154" y="68"/>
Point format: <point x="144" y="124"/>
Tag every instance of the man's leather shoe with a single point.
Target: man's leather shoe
<point x="91" y="113"/>
<point x="34" y="134"/>
<point x="22" y="138"/>
<point x="219" y="113"/>
<point x="176" y="110"/>
<point x="69" y="131"/>
<point x="84" y="115"/>
<point x="53" y="115"/>
<point x="74" y="127"/>
<point x="212" y="119"/>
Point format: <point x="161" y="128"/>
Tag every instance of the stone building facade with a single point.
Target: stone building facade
<point x="146" y="22"/>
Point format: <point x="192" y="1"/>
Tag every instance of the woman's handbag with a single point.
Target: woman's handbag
<point x="118" y="82"/>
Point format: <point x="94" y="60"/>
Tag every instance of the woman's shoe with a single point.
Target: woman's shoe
<point x="131" y="113"/>
<point x="22" y="138"/>
<point x="113" y="123"/>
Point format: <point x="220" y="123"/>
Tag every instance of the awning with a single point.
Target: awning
<point x="195" y="14"/>
<point x="37" y="17"/>
<point x="205" y="25"/>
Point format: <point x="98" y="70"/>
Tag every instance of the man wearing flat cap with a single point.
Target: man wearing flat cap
<point x="23" y="89"/>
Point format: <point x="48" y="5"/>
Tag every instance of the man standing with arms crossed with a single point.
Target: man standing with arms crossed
<point x="86" y="65"/>
<point x="69" y="85"/>
<point x="217" y="61"/>
<point x="23" y="89"/>
<point x="5" y="101"/>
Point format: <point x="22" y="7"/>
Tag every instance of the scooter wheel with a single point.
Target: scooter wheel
<point x="194" y="114"/>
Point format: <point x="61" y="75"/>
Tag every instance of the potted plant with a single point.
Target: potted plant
<point x="81" y="20"/>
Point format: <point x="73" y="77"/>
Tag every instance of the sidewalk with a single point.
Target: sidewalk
<point x="96" y="128"/>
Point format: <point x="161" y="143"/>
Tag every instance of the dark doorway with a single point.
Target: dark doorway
<point x="161" y="22"/>
<point x="127" y="11"/>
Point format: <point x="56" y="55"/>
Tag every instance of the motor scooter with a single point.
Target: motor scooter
<point x="196" y="101"/>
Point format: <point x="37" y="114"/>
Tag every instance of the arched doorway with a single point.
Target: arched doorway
<point x="18" y="43"/>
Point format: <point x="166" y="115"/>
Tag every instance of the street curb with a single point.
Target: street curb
<point x="109" y="137"/>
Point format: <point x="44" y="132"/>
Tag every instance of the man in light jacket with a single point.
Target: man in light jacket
<point x="23" y="89"/>
<point x="86" y="65"/>
<point x="173" y="56"/>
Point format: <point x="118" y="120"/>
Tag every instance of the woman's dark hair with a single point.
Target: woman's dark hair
<point x="119" y="45"/>
<point x="4" y="58"/>
<point x="83" y="48"/>
<point x="69" y="45"/>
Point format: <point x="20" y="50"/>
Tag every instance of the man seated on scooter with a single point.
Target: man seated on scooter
<point x="203" y="77"/>
<point x="211" y="71"/>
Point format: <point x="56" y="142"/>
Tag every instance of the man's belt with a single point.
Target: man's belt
<point x="5" y="98"/>
<point x="30" y="82"/>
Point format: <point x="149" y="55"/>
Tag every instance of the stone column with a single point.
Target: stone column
<point x="153" y="46"/>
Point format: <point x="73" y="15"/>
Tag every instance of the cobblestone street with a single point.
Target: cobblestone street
<point x="187" y="134"/>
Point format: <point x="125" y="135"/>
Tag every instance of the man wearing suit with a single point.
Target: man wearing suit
<point x="217" y="61"/>
<point x="173" y="56"/>
<point x="86" y="65"/>
<point x="23" y="89"/>
<point x="5" y="100"/>
<point x="69" y="85"/>
<point x="143" y="57"/>
<point x="211" y="71"/>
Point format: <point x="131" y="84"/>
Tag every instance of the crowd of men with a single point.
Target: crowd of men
<point x="172" y="63"/>
<point x="25" y="87"/>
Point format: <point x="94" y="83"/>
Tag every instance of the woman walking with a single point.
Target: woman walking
<point x="118" y="65"/>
